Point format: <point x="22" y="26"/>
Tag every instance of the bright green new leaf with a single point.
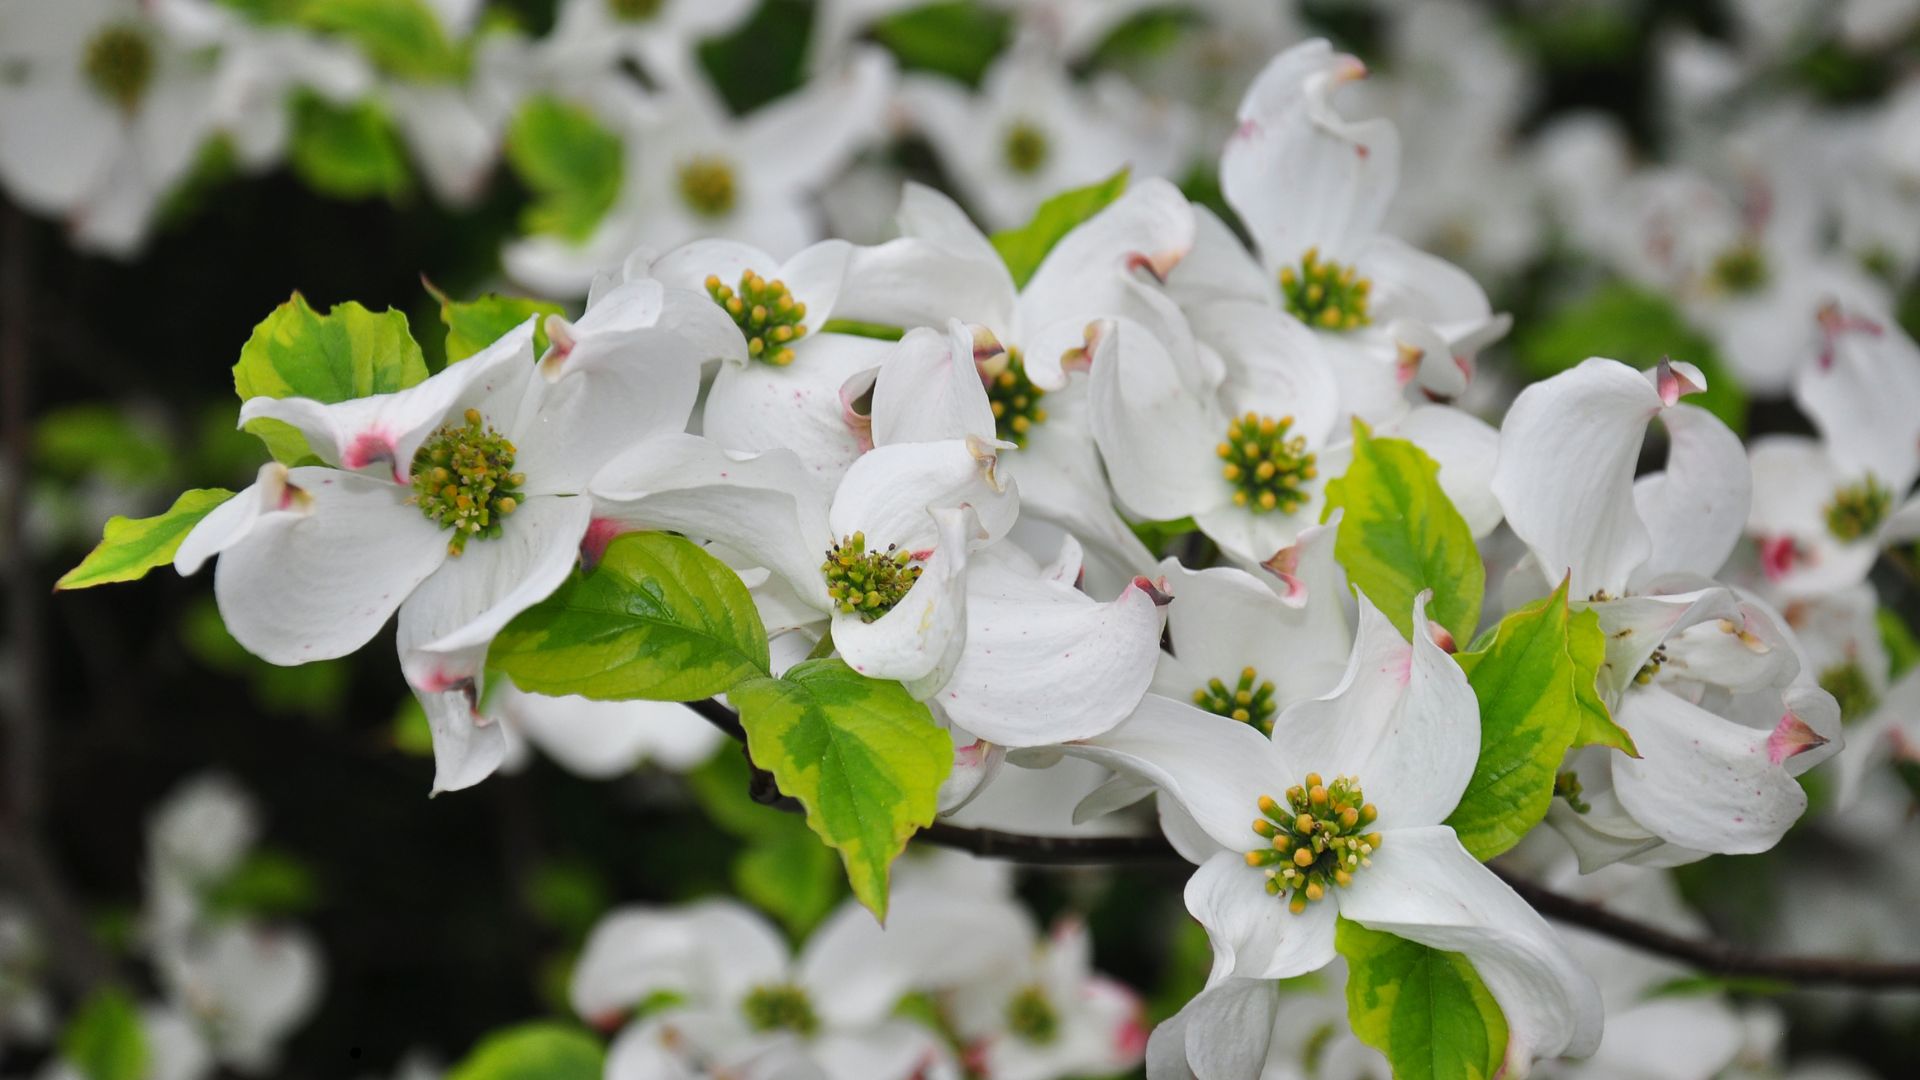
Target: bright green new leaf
<point x="1530" y="711"/>
<point x="863" y="757"/>
<point x="958" y="38"/>
<point x="400" y="36"/>
<point x="572" y="164"/>
<point x="473" y="325"/>
<point x="1426" y="1010"/>
<point x="347" y="353"/>
<point x="1401" y="535"/>
<point x="1025" y="248"/>
<point x="1597" y="727"/>
<point x="783" y="869"/>
<point x="347" y="151"/>
<point x="133" y="546"/>
<point x="104" y="1040"/>
<point x="542" y="1050"/>
<point x="658" y="619"/>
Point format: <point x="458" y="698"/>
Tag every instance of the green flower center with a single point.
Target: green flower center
<point x="867" y="583"/>
<point x="781" y="1007"/>
<point x="706" y="184"/>
<point x="1032" y="1017"/>
<point x="463" y="480"/>
<point x="635" y="10"/>
<point x="1740" y="269"/>
<point x="1265" y="467"/>
<point x="1013" y="397"/>
<point x="1858" y="509"/>
<point x="1315" y="842"/>
<point x="766" y="312"/>
<point x="119" y="64"/>
<point x="1566" y="785"/>
<point x="1326" y="295"/>
<point x="1849" y="686"/>
<point x="1025" y="148"/>
<point x="1247" y="701"/>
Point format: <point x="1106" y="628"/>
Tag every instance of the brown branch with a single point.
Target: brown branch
<point x="1715" y="957"/>
<point x="1708" y="957"/>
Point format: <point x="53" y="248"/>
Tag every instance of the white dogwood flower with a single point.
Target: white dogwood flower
<point x="1027" y="134"/>
<point x="101" y="114"/>
<point x="696" y="171"/>
<point x="1313" y="189"/>
<point x="1049" y="1015"/>
<point x="795" y="386"/>
<point x="1823" y="509"/>
<point x="1032" y="343"/>
<point x="1242" y="434"/>
<point x="1705" y="682"/>
<point x="1339" y="815"/>
<point x="747" y="1006"/>
<point x="457" y="502"/>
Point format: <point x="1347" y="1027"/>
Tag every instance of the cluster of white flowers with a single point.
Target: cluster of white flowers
<point x="234" y="986"/>
<point x="962" y="474"/>
<point x="712" y="989"/>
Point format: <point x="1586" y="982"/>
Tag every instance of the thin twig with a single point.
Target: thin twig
<point x="1715" y="957"/>
<point x="1708" y="957"/>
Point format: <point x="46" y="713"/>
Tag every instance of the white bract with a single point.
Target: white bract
<point x="1373" y="767"/>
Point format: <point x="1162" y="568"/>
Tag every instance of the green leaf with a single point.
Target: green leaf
<point x="1588" y="645"/>
<point x="1903" y="649"/>
<point x="1401" y="535"/>
<point x="347" y="353"/>
<point x="863" y="757"/>
<point x="659" y="619"/>
<point x="266" y="883"/>
<point x="762" y="59"/>
<point x="957" y="39"/>
<point x="538" y="1051"/>
<point x="133" y="546"/>
<point x="473" y="325"/>
<point x="1635" y="327"/>
<point x="403" y="37"/>
<point x="104" y="1041"/>
<point x="572" y="164"/>
<point x="783" y="868"/>
<point x="1025" y="248"/>
<point x="80" y="440"/>
<point x="347" y="151"/>
<point x="1144" y="35"/>
<point x="1530" y="711"/>
<point x="1426" y="1010"/>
